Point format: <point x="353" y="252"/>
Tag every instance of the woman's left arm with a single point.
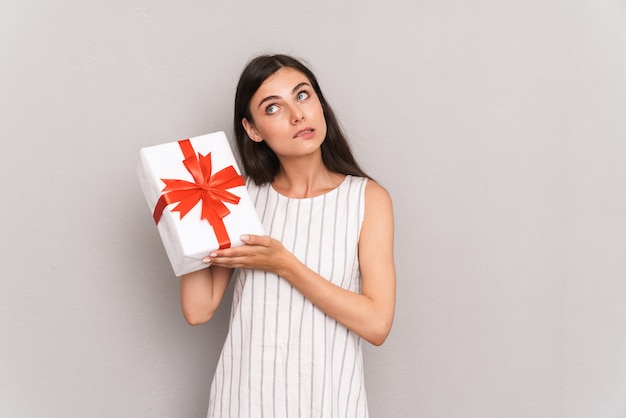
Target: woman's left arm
<point x="370" y="313"/>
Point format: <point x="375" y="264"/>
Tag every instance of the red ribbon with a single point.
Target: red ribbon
<point x="210" y="189"/>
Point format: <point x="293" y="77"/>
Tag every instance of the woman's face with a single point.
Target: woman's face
<point x="287" y="115"/>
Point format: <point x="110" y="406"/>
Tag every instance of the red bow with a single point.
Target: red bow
<point x="210" y="189"/>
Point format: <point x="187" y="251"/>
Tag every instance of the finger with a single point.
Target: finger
<point x="216" y="260"/>
<point x="251" y="239"/>
<point x="227" y="255"/>
<point x="228" y="252"/>
<point x="231" y="262"/>
<point x="252" y="245"/>
<point x="216" y="256"/>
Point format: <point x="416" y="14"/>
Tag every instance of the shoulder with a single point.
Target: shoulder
<point x="378" y="205"/>
<point x="376" y="195"/>
<point x="375" y="189"/>
<point x="377" y="230"/>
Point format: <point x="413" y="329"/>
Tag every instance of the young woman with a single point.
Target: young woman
<point x="321" y="282"/>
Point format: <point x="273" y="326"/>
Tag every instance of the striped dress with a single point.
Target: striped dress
<point x="283" y="357"/>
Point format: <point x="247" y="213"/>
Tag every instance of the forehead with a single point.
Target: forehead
<point x="280" y="83"/>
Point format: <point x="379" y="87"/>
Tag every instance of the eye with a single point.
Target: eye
<point x="303" y="95"/>
<point x="271" y="109"/>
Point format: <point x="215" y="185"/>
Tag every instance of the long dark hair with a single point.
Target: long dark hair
<point x="259" y="161"/>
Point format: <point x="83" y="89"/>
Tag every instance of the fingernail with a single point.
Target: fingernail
<point x="206" y="260"/>
<point x="213" y="255"/>
<point x="245" y="237"/>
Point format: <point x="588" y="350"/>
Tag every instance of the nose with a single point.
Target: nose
<point x="297" y="114"/>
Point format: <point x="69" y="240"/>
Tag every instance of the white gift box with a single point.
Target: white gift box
<point x="187" y="237"/>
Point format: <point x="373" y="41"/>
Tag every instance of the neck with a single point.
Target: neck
<point x="302" y="179"/>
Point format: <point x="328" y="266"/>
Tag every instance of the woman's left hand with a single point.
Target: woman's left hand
<point x="258" y="253"/>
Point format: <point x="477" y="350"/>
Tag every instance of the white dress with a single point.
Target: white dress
<point x="283" y="357"/>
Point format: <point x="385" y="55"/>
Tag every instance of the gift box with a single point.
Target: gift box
<point x="197" y="197"/>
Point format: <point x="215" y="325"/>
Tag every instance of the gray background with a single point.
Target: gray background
<point x="498" y="127"/>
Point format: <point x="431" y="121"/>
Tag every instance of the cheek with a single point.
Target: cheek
<point x="279" y="122"/>
<point x="270" y="128"/>
<point x="320" y="112"/>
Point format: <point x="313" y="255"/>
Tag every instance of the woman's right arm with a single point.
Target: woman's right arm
<point x="201" y="292"/>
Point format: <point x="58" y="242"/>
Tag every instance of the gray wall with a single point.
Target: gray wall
<point x="499" y="127"/>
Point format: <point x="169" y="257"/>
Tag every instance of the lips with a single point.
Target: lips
<point x="304" y="133"/>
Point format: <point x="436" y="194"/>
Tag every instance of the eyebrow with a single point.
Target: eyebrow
<point x="293" y="91"/>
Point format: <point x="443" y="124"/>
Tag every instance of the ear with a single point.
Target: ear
<point x="251" y="130"/>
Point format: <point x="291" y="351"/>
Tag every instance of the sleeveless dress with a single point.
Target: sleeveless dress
<point x="282" y="356"/>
